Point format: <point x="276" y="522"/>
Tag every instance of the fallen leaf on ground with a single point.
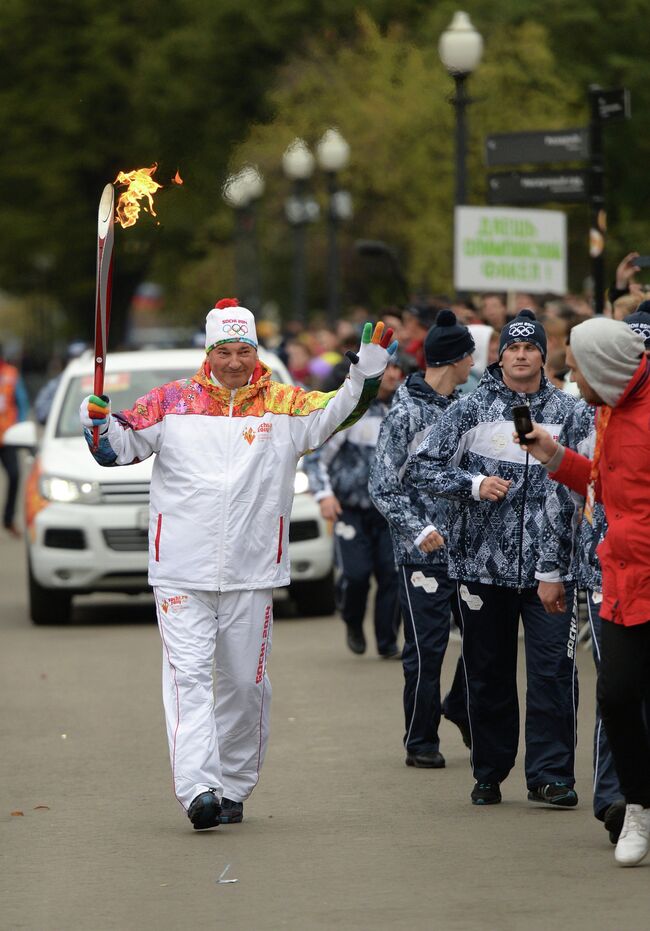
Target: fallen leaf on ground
<point x="39" y="807"/>
<point x="18" y="813"/>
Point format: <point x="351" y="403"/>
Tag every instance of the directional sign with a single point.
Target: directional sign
<point x="549" y="145"/>
<point x="611" y="104"/>
<point x="538" y="187"/>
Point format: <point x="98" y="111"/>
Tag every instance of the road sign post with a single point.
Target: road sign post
<point x="567" y="186"/>
<point x="604" y="106"/>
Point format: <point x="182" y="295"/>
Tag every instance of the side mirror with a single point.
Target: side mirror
<point x="22" y="436"/>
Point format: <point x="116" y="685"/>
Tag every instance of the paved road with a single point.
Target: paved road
<point x="339" y="834"/>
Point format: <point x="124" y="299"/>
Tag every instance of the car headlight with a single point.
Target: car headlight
<point x="68" y="491"/>
<point x="301" y="483"/>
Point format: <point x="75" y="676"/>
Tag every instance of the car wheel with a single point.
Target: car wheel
<point x="48" y="605"/>
<point x="314" y="599"/>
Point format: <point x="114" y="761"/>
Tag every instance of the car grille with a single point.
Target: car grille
<point x="124" y="492"/>
<point x="303" y="530"/>
<point x="129" y="540"/>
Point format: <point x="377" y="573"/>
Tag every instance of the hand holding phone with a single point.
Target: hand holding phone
<point x="642" y="261"/>
<point x="523" y="423"/>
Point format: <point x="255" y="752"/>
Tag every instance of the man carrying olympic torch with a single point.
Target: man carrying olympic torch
<point x="228" y="441"/>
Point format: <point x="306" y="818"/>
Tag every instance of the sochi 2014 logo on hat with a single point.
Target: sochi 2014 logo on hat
<point x="643" y="329"/>
<point x="521" y="329"/>
<point x="234" y="328"/>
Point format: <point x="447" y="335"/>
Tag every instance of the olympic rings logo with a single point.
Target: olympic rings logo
<point x="643" y="329"/>
<point x="521" y="329"/>
<point x="235" y="329"/>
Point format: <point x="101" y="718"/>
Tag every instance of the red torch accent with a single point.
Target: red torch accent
<point x="104" y="282"/>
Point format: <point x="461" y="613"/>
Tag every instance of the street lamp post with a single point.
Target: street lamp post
<point x="300" y="209"/>
<point x="241" y="192"/>
<point x="333" y="154"/>
<point x="460" y="49"/>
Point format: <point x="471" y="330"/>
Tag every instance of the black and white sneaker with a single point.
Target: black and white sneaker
<point x="486" y="793"/>
<point x="558" y="794"/>
<point x="205" y="811"/>
<point x="231" y="812"/>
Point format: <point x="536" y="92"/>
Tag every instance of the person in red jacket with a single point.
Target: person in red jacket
<point x="611" y="369"/>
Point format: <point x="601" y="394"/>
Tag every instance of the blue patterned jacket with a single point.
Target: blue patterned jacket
<point x="579" y="560"/>
<point x="341" y="466"/>
<point x="408" y="510"/>
<point x="488" y="541"/>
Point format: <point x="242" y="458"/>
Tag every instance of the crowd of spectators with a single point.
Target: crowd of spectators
<point x="315" y="352"/>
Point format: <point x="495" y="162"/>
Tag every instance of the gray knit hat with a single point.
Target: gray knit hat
<point x="608" y="353"/>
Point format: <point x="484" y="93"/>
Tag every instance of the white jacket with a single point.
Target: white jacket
<point x="222" y="483"/>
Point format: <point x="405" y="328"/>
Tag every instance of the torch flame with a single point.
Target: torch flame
<point x="140" y="184"/>
<point x="177" y="178"/>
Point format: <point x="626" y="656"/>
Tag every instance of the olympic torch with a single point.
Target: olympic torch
<point x="104" y="282"/>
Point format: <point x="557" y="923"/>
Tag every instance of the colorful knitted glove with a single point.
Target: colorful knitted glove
<point x="376" y="349"/>
<point x="94" y="412"/>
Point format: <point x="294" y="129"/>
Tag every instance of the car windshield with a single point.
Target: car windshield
<point x="124" y="389"/>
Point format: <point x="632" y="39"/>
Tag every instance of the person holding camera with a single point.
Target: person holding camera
<point x="609" y="364"/>
<point x="496" y="500"/>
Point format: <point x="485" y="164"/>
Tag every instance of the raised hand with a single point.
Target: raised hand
<point x="377" y="346"/>
<point x="94" y="411"/>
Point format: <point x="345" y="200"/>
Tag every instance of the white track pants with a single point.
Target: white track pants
<point x="217" y="737"/>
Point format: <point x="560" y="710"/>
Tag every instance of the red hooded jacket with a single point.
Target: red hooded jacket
<point x="623" y="486"/>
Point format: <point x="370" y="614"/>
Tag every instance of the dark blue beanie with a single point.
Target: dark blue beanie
<point x="640" y="321"/>
<point x="525" y="328"/>
<point x="447" y="341"/>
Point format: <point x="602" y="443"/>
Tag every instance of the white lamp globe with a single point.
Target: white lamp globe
<point x="460" y="46"/>
<point x="297" y="161"/>
<point x="332" y="151"/>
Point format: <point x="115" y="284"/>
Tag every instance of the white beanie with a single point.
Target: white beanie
<point x="227" y="322"/>
<point x="608" y="354"/>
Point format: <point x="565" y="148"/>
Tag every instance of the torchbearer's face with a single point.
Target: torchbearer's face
<point x="233" y="363"/>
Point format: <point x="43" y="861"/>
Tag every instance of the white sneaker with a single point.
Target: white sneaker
<point x="634" y="841"/>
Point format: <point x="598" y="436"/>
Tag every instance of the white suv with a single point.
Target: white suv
<point x="86" y="525"/>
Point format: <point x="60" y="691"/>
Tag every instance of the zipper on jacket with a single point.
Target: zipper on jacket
<point x="521" y="526"/>
<point x="521" y="520"/>
<point x="225" y="498"/>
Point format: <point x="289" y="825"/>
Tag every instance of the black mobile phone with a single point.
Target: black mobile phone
<point x="523" y="423"/>
<point x="642" y="261"/>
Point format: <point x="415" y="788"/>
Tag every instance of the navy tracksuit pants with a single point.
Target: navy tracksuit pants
<point x="428" y="598"/>
<point x="606" y="786"/>
<point x="490" y="639"/>
<point x="363" y="547"/>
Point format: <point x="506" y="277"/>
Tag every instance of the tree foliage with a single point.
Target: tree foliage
<point x="390" y="97"/>
<point x="90" y="88"/>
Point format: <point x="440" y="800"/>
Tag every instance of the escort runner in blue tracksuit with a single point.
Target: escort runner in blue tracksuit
<point x="568" y="549"/>
<point x="497" y="496"/>
<point x="338" y="478"/>
<point x="418" y="525"/>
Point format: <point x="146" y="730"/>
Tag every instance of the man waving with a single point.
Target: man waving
<point x="228" y="440"/>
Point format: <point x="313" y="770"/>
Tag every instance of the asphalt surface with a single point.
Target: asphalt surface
<point x="338" y="834"/>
